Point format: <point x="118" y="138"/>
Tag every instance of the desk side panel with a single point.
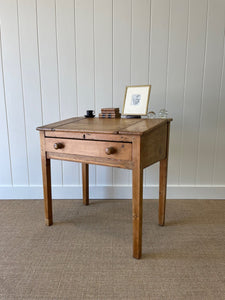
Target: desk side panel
<point x="153" y="146"/>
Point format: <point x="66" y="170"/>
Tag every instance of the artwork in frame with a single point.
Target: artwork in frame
<point x="136" y="100"/>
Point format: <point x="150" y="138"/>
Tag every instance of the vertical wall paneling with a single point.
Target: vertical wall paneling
<point x="193" y="90"/>
<point x="13" y="91"/>
<point x="122" y="13"/>
<point x="85" y="55"/>
<point x="219" y="161"/>
<point x="160" y="17"/>
<point x="140" y="44"/>
<point x="46" y="12"/>
<point x="59" y="58"/>
<point x="159" y="40"/>
<point x="211" y="91"/>
<point x="5" y="177"/>
<point x="84" y="18"/>
<point x="103" y="69"/>
<point x="67" y="74"/>
<point x="121" y="50"/>
<point x="31" y="85"/>
<point x="176" y="80"/>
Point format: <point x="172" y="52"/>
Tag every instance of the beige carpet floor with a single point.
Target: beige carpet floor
<point x="87" y="253"/>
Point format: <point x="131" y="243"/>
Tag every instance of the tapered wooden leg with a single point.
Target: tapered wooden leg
<point x="162" y="190"/>
<point x="137" y="211"/>
<point x="46" y="174"/>
<point x="163" y="181"/>
<point x="85" y="180"/>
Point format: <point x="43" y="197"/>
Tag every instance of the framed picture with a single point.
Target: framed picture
<point x="136" y="100"/>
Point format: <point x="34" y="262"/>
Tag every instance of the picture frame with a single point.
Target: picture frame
<point x="136" y="100"/>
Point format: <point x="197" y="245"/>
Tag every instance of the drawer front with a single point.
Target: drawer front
<point x="114" y="150"/>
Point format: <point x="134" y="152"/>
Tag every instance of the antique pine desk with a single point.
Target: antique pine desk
<point x="124" y="143"/>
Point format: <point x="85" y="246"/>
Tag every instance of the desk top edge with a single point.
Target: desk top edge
<point x="134" y="126"/>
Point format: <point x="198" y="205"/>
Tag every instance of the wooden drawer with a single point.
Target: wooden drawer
<point x="115" y="150"/>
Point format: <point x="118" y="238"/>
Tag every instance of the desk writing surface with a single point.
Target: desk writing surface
<point x="110" y="126"/>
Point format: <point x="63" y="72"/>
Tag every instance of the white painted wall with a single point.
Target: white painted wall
<point x="61" y="57"/>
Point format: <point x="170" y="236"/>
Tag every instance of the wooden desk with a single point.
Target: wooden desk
<point x="124" y="143"/>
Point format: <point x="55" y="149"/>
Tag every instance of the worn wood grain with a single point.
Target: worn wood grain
<point x="85" y="181"/>
<point x="46" y="175"/>
<point x="122" y="151"/>
<point x="54" y="125"/>
<point x="143" y="126"/>
<point x="137" y="191"/>
<point x="124" y="164"/>
<point x="142" y="143"/>
<point x="153" y="145"/>
<point x="90" y="136"/>
<point x="163" y="181"/>
<point x="111" y="126"/>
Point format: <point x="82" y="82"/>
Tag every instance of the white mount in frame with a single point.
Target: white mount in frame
<point x="136" y="100"/>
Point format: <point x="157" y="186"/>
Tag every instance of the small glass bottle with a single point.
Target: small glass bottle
<point x="163" y="113"/>
<point x="151" y="115"/>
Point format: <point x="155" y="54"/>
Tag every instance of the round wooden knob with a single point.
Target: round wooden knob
<point x="110" y="150"/>
<point x="58" y="146"/>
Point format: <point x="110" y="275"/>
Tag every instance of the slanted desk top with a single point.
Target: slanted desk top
<point x="110" y="126"/>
